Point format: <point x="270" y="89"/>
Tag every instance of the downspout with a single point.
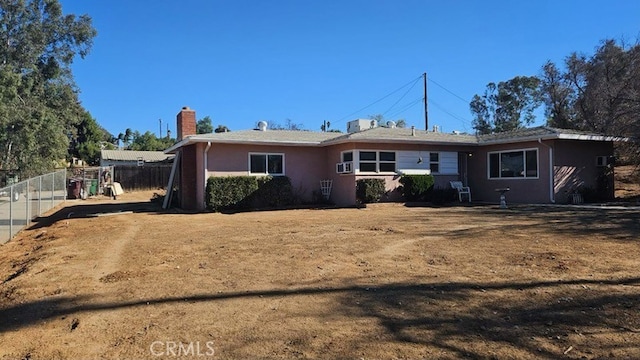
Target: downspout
<point x="551" y="182"/>
<point x="205" y="157"/>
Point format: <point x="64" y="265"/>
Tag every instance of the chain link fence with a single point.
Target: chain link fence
<point x="22" y="202"/>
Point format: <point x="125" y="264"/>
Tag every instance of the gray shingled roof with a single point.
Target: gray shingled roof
<point x="388" y="135"/>
<point x="130" y="155"/>
<point x="382" y="134"/>
<point x="542" y="132"/>
<point x="269" y="136"/>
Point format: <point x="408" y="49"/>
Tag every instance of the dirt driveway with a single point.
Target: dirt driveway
<point x="118" y="279"/>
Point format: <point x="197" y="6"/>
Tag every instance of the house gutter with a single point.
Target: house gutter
<point x="551" y="183"/>
<point x="204" y="172"/>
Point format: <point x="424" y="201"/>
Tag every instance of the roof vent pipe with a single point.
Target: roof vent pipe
<point x="413" y="130"/>
<point x="262" y="125"/>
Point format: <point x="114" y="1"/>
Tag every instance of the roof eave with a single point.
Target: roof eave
<point x="519" y="139"/>
<point x="590" y="137"/>
<point x="194" y="139"/>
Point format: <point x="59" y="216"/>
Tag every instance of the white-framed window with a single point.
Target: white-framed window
<point x="346" y="164"/>
<point x="266" y="164"/>
<point x="377" y="161"/>
<point x="513" y="164"/>
<point x="346" y="156"/>
<point x="434" y="162"/>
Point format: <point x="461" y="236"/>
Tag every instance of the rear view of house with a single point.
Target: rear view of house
<point x="538" y="165"/>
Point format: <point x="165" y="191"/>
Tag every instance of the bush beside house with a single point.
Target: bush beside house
<point x="248" y="192"/>
<point x="416" y="187"/>
<point x="369" y="190"/>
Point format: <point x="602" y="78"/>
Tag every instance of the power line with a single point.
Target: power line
<point x="441" y="108"/>
<point x="377" y="101"/>
<point x="402" y="97"/>
<point x="406" y="107"/>
<point x="449" y="91"/>
<point x="413" y="103"/>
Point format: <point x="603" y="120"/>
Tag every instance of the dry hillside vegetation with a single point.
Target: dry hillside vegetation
<point x="388" y="281"/>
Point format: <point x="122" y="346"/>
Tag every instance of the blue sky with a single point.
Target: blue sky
<point x="243" y="61"/>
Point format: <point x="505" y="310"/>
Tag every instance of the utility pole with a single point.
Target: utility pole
<point x="160" y="120"/>
<point x="426" y="112"/>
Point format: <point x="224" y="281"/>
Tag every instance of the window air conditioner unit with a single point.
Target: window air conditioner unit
<point x="344" y="167"/>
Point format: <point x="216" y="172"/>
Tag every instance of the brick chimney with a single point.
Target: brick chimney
<point x="186" y="122"/>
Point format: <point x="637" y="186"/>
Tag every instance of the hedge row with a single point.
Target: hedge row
<point x="248" y="192"/>
<point x="369" y="190"/>
<point x="414" y="188"/>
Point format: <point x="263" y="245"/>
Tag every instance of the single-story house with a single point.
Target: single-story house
<point x="538" y="165"/>
<point x="133" y="158"/>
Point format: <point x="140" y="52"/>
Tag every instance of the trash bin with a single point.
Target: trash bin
<point x="93" y="187"/>
<point x="73" y="190"/>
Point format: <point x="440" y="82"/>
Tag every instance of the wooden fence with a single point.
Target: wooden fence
<point x="147" y="177"/>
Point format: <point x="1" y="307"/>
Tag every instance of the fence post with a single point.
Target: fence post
<point x="39" y="195"/>
<point x="26" y="195"/>
<point x="10" y="211"/>
<point x="53" y="187"/>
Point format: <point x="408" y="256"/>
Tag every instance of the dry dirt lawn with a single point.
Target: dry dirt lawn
<point x="116" y="279"/>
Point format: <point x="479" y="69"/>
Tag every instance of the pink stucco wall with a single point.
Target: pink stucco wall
<point x="304" y="165"/>
<point x="522" y="190"/>
<point x="344" y="185"/>
<point x="574" y="161"/>
<point x="573" y="165"/>
<point x="574" y="168"/>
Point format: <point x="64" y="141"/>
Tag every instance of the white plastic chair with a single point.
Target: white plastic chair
<point x="461" y="189"/>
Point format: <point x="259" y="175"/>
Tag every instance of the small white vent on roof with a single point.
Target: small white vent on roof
<point x="262" y="125"/>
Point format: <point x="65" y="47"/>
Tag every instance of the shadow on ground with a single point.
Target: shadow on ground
<point x="96" y="209"/>
<point x="433" y="314"/>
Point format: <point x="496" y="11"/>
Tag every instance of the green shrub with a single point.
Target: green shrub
<point x="248" y="192"/>
<point x="369" y="190"/>
<point x="230" y="192"/>
<point x="416" y="187"/>
<point x="273" y="191"/>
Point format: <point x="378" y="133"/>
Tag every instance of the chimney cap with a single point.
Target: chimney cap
<point x="185" y="108"/>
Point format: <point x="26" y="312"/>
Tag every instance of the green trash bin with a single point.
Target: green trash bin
<point x="93" y="187"/>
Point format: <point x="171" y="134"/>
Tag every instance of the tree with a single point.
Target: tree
<point x="482" y="114"/>
<point x="39" y="106"/>
<point x="507" y="106"/>
<point x="204" y="126"/>
<point x="599" y="93"/>
<point x="88" y="138"/>
<point x="558" y="96"/>
<point x="221" y="129"/>
<point x="379" y="118"/>
<point x="288" y="125"/>
<point x="149" y="142"/>
<point x="127" y="137"/>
